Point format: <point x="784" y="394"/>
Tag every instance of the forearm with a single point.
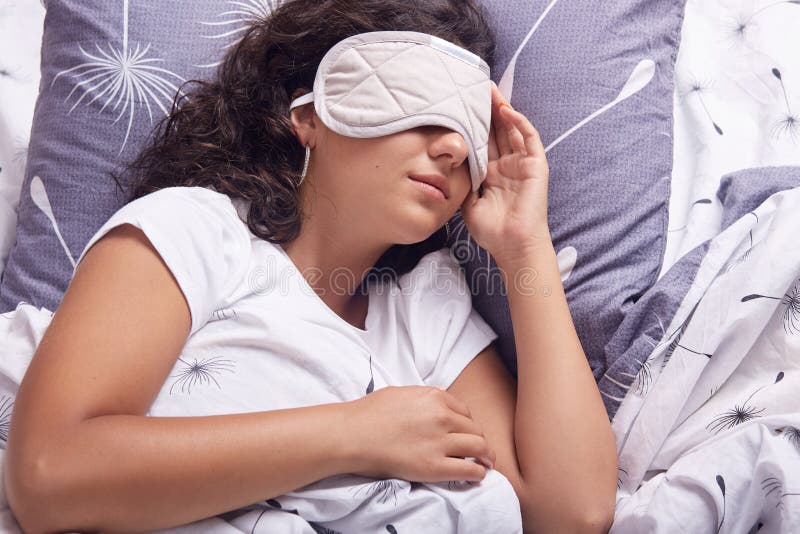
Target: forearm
<point x="564" y="442"/>
<point x="133" y="473"/>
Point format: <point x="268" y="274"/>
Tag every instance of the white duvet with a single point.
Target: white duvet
<point x="709" y="433"/>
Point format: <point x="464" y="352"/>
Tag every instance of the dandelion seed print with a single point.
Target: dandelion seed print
<point x="620" y="472"/>
<point x="738" y="27"/>
<point x="734" y="417"/>
<point x="791" y="315"/>
<point x="701" y="202"/>
<point x="255" y="524"/>
<point x="275" y="504"/>
<point x="673" y="340"/>
<point x="319" y="529"/>
<point x="384" y="489"/>
<point x="749" y="250"/>
<point x="459" y="484"/>
<point x="235" y="21"/>
<point x="6" y="407"/>
<point x="740" y="413"/>
<point x="695" y="89"/>
<point x="640" y="77"/>
<point x="721" y="484"/>
<point x="789" y="123"/>
<point x="200" y="372"/>
<point x="21" y="150"/>
<point x="506" y="84"/>
<point x="773" y="486"/>
<point x="371" y="385"/>
<point x="707" y="355"/>
<point x="122" y="76"/>
<point x="644" y="378"/>
<point x="792" y="434"/>
<point x="42" y="202"/>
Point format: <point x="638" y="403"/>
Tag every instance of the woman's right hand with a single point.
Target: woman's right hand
<point x="418" y="433"/>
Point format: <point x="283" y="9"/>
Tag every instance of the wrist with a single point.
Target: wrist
<point x="348" y="450"/>
<point x="524" y="253"/>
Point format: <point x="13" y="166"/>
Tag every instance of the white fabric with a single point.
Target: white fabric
<point x="723" y="76"/>
<point x="21" y="26"/>
<point x="261" y="339"/>
<point x="709" y="434"/>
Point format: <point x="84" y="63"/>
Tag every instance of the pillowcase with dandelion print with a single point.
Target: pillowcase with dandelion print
<point x="596" y="80"/>
<point x="109" y="72"/>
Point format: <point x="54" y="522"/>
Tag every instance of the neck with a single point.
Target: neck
<point x="334" y="255"/>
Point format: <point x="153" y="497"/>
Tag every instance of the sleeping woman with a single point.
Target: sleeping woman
<point x="271" y="335"/>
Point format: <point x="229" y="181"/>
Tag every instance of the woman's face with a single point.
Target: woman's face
<point x="372" y="180"/>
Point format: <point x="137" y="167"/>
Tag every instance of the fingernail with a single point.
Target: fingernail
<point x="506" y="104"/>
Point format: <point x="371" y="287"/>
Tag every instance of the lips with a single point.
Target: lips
<point x="436" y="180"/>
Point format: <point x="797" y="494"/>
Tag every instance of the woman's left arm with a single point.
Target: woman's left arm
<point x="551" y="433"/>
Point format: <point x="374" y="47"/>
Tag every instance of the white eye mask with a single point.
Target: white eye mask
<point x="379" y="83"/>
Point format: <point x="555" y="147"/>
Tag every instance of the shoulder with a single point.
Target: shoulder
<point x="184" y="218"/>
<point x="195" y="199"/>
<point x="198" y="235"/>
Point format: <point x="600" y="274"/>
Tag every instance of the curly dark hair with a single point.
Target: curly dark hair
<point x="233" y="135"/>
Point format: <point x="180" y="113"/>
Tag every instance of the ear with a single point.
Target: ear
<point x="304" y="121"/>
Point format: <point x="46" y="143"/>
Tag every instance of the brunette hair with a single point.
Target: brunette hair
<point x="232" y="134"/>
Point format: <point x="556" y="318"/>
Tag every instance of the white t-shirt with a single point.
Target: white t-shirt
<point x="262" y="339"/>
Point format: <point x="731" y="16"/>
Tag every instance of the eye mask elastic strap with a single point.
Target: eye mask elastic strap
<point x="299" y="101"/>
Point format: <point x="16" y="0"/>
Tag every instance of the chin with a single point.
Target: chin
<point x="413" y="225"/>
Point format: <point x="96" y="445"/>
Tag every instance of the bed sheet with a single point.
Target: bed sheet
<point x="708" y="433"/>
<point x="737" y="106"/>
<point x="21" y="23"/>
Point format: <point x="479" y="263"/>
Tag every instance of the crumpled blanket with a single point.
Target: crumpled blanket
<point x="708" y="428"/>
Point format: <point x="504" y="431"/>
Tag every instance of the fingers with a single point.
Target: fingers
<point x="458" y="469"/>
<point x="498" y="123"/>
<point x="461" y="424"/>
<point x="469" y="446"/>
<point x="523" y="136"/>
<point x="515" y="137"/>
<point x="456" y="404"/>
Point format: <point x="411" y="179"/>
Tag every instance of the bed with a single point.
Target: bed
<point x="698" y="363"/>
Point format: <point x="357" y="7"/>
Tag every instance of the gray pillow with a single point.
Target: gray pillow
<point x="85" y="125"/>
<point x="611" y="63"/>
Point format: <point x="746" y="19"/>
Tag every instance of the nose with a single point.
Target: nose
<point x="450" y="144"/>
